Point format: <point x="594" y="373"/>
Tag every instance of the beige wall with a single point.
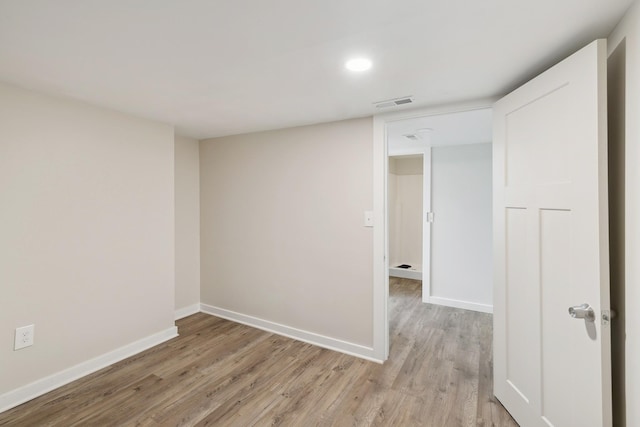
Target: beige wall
<point x="406" y="165"/>
<point x="86" y="232"/>
<point x="187" y="198"/>
<point x="282" y="233"/>
<point x="405" y="211"/>
<point x="624" y="45"/>
<point x="392" y="218"/>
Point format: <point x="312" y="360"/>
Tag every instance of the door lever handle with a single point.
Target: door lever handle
<point x="583" y="311"/>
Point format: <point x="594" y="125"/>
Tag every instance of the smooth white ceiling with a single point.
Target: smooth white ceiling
<point x="465" y="127"/>
<point x="219" y="67"/>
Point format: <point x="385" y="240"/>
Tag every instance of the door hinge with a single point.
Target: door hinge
<point x="429" y="216"/>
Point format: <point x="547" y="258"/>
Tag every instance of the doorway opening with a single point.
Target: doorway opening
<point x="411" y="135"/>
<point x="406" y="207"/>
<point x="408" y="202"/>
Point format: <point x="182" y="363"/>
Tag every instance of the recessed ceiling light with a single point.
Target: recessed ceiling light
<point x="358" y="64"/>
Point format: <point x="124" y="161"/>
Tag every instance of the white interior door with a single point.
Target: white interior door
<point x="551" y="246"/>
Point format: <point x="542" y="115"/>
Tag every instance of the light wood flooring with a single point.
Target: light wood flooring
<point x="219" y="373"/>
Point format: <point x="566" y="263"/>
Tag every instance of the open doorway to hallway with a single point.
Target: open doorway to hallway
<point x="438" y="205"/>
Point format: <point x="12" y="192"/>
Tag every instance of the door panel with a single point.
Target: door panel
<point x="521" y="307"/>
<point x="551" y="246"/>
<point x="555" y="241"/>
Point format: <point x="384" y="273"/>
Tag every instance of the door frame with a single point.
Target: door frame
<point x="380" y="220"/>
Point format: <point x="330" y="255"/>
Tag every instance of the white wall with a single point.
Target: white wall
<point x="86" y="233"/>
<point x="187" y="199"/>
<point x="405" y="211"/>
<point x="461" y="244"/>
<point x="282" y="236"/>
<point x="628" y="32"/>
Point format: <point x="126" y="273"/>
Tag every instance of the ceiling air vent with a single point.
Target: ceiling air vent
<point x="394" y="102"/>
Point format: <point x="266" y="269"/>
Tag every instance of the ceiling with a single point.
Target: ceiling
<point x="464" y="127"/>
<point x="220" y="67"/>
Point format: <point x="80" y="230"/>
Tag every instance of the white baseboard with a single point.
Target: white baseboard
<point x="357" y="350"/>
<point x="187" y="311"/>
<point x="405" y="273"/>
<point x="483" y="308"/>
<point x="37" y="388"/>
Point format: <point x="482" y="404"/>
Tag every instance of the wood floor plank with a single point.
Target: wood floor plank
<point x="220" y="373"/>
<point x="124" y="404"/>
<point x="302" y="397"/>
<point x="490" y="412"/>
<point x="400" y="409"/>
<point x="222" y="381"/>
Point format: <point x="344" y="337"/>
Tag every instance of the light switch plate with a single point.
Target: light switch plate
<point x="368" y="218"/>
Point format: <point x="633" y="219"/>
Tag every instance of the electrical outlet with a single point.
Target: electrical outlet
<point x="24" y="337"/>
